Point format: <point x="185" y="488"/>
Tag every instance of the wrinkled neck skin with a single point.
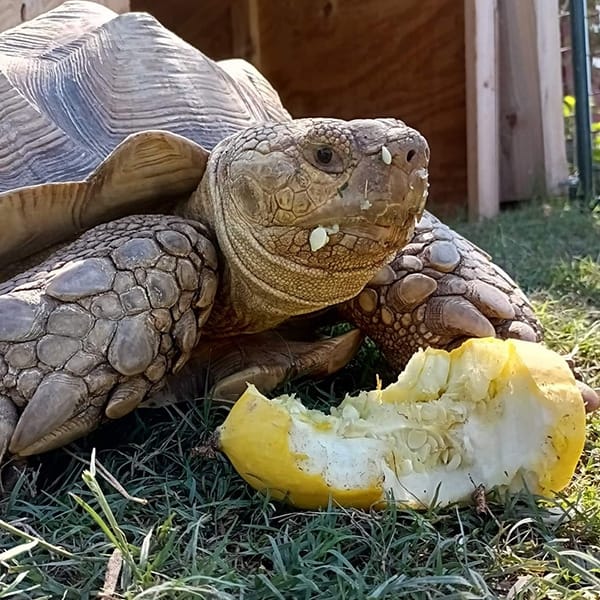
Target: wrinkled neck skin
<point x="258" y="289"/>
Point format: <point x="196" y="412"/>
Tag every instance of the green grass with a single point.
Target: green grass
<point x="195" y="530"/>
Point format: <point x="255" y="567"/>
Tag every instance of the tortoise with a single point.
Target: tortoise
<point x="163" y="216"/>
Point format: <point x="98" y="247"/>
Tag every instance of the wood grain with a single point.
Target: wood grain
<point x="549" y="61"/>
<point x="521" y="135"/>
<point x="533" y="161"/>
<point x="368" y="58"/>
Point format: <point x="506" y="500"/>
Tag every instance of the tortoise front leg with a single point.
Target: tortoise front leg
<point x="224" y="368"/>
<point x="90" y="332"/>
<point x="439" y="290"/>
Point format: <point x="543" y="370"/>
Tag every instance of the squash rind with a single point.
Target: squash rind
<point x="506" y="414"/>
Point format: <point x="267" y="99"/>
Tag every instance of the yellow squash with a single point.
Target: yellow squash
<point x="503" y="414"/>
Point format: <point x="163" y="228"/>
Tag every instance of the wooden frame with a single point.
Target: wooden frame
<point x="533" y="157"/>
<point x="483" y="136"/>
<point x="551" y="92"/>
<point x="515" y="132"/>
<point x="507" y="145"/>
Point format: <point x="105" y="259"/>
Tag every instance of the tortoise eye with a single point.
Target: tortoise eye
<point x="325" y="157"/>
<point x="324" y="154"/>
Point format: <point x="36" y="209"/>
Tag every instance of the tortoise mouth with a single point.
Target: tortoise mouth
<point x="384" y="231"/>
<point x="383" y="234"/>
<point x="386" y="217"/>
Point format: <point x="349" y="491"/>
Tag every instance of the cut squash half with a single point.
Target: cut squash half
<point x="504" y="414"/>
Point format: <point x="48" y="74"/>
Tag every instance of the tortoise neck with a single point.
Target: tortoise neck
<point x="199" y="207"/>
<point x="262" y="283"/>
<point x="234" y="310"/>
<point x="247" y="300"/>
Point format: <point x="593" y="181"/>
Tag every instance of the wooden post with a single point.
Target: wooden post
<point x="533" y="159"/>
<point x="15" y="12"/>
<point x="483" y="143"/>
<point x="551" y="90"/>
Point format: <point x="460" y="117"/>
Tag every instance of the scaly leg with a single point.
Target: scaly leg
<point x="224" y="368"/>
<point x="439" y="290"/>
<point x="91" y="331"/>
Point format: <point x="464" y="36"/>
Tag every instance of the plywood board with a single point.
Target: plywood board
<point x="521" y="134"/>
<point x="14" y="12"/>
<point x="533" y="160"/>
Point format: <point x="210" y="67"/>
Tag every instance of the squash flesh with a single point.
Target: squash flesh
<point x="504" y="414"/>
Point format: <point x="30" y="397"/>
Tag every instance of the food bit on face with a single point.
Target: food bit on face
<point x="421" y="174"/>
<point x="318" y="238"/>
<point x="365" y="204"/>
<point x="386" y="155"/>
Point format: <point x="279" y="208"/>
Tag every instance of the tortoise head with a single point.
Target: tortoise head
<point x="306" y="211"/>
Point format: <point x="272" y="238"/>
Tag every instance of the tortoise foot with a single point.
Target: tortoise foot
<point x="223" y="369"/>
<point x="439" y="290"/>
<point x="591" y="397"/>
<point x="92" y="330"/>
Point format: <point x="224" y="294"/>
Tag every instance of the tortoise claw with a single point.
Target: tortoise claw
<point x="591" y="397"/>
<point x="8" y="422"/>
<point x="490" y="300"/>
<point x="521" y="331"/>
<point x="227" y="366"/>
<point x="288" y="360"/>
<point x="456" y="317"/>
<point x="264" y="377"/>
<point x="58" y="399"/>
<point x="126" y="397"/>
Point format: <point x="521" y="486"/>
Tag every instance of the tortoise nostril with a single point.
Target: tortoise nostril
<point x="410" y="155"/>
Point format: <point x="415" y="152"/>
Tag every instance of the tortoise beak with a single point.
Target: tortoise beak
<point x="388" y="187"/>
<point x="398" y="190"/>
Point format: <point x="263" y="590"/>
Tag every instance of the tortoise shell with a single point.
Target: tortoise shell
<point x="126" y="130"/>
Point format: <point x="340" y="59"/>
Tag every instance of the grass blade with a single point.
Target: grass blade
<point x="16" y="550"/>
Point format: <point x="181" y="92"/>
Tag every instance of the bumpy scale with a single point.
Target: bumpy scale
<point x="95" y="328"/>
<point x="90" y="332"/>
<point x="438" y="290"/>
